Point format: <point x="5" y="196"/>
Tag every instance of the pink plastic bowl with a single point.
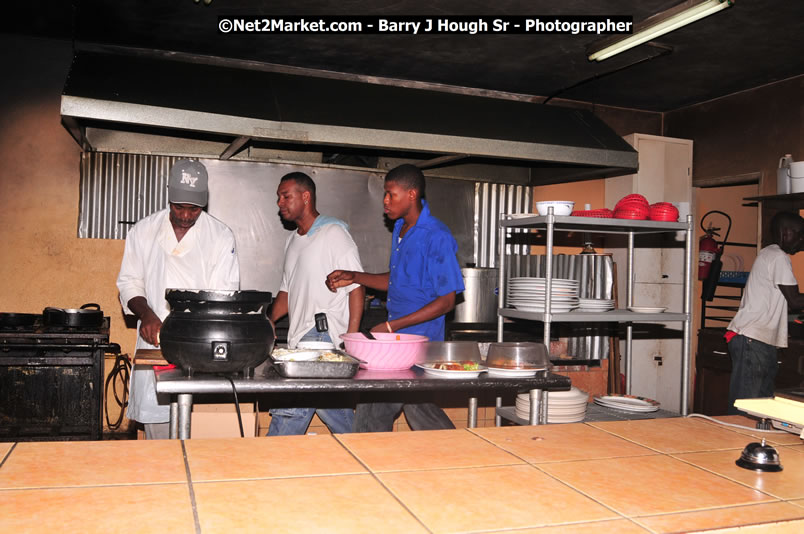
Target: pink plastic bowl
<point x="389" y="352"/>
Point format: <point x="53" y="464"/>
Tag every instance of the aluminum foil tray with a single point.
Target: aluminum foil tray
<point x="315" y="369"/>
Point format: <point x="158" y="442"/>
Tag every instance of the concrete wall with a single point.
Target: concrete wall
<point x="42" y="262"/>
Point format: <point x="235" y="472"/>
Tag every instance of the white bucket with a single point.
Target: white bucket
<point x="796" y="171"/>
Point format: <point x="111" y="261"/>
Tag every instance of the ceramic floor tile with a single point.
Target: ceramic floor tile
<point x="794" y="526"/>
<point x="4" y="448"/>
<point x="620" y="526"/>
<point x="428" y="449"/>
<point x="786" y="484"/>
<point x="785" y="438"/>
<point x="646" y="485"/>
<point x="93" y="463"/>
<point x="556" y="443"/>
<point x="302" y="505"/>
<point x="130" y="509"/>
<point x="483" y="498"/>
<point x="723" y="517"/>
<point x="675" y="434"/>
<point x="277" y="456"/>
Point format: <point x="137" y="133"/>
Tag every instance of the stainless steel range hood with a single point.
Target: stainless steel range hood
<point x="130" y="103"/>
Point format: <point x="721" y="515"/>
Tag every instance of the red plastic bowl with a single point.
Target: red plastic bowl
<point x="633" y="198"/>
<point x="389" y="352"/>
<point x="629" y="214"/>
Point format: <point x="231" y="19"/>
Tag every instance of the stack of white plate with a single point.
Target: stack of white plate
<point x="562" y="406"/>
<point x="628" y="403"/>
<point x="595" y="305"/>
<point x="529" y="294"/>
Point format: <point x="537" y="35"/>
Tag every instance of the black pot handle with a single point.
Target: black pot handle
<point x="91" y="305"/>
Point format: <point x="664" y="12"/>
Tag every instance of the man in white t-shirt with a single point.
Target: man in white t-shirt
<point x="319" y="245"/>
<point x="180" y="247"/>
<point x="760" y="325"/>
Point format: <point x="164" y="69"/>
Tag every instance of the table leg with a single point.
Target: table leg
<point x="185" y="410"/>
<point x="174" y="419"/>
<point x="543" y="413"/>
<point x="535" y="407"/>
<point x="497" y="418"/>
<point x="472" y="412"/>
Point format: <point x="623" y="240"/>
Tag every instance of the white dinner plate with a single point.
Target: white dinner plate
<point x="645" y="309"/>
<point x="628" y="403"/>
<point x="541" y="309"/>
<point x="446" y="373"/>
<point x="542" y="302"/>
<point x="512" y="373"/>
<point x="519" y="279"/>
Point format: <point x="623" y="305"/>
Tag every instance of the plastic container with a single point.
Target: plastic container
<point x="389" y="352"/>
<point x="518" y="355"/>
<point x="452" y="351"/>
<point x="796" y="172"/>
<point x="783" y="180"/>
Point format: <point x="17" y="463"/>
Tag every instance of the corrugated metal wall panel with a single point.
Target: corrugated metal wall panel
<point x="118" y="190"/>
<point x="491" y="201"/>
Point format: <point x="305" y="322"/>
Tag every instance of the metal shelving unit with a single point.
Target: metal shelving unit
<point x="552" y="223"/>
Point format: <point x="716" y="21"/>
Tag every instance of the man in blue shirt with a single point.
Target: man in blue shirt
<point x="422" y="282"/>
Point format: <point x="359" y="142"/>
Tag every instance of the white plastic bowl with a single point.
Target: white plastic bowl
<point x="560" y="207"/>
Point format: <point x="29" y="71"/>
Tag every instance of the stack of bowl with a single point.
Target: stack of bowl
<point x="603" y="213"/>
<point x="633" y="206"/>
<point x="663" y="211"/>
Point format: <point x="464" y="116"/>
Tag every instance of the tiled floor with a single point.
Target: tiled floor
<point x="675" y="435"/>
<point x="631" y="477"/>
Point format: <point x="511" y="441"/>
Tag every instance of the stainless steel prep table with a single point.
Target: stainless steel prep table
<point x="181" y="388"/>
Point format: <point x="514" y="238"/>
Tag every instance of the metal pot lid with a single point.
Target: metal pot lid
<point x="72" y="310"/>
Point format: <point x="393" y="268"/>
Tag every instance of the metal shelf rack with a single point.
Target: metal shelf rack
<point x="551" y="223"/>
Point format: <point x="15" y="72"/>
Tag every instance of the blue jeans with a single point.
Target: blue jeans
<point x="294" y="421"/>
<point x="754" y="368"/>
<point x="380" y="416"/>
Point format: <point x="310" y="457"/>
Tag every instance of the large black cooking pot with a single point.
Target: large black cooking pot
<point x="216" y="331"/>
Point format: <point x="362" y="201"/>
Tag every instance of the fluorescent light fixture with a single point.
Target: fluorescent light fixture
<point x="659" y="24"/>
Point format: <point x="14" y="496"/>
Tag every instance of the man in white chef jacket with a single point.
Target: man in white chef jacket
<point x="179" y="247"/>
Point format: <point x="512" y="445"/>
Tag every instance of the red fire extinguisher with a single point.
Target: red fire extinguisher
<point x="709" y="251"/>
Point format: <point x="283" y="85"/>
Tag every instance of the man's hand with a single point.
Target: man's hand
<point x="150" y="327"/>
<point x="382" y="327"/>
<point x="150" y="323"/>
<point x="340" y="278"/>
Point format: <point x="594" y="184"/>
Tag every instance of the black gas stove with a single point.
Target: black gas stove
<point x="51" y="379"/>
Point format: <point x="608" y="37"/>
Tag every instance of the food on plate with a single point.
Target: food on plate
<point x="465" y="365"/>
